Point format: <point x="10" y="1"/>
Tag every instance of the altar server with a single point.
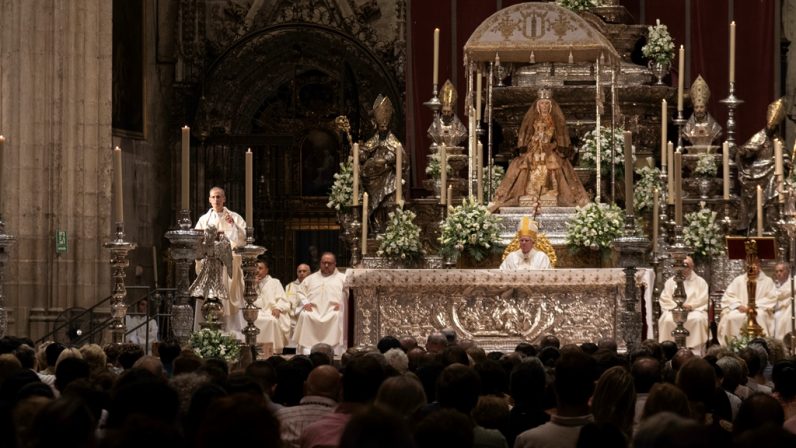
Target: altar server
<point x="696" y="303"/>
<point x="272" y="317"/>
<point x="320" y="315"/>
<point x="734" y="305"/>
<point x="526" y="257"/>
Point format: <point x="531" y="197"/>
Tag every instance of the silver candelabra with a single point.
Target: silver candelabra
<point x="119" y="262"/>
<point x="249" y="254"/>
<point x="184" y="246"/>
<point x="679" y="251"/>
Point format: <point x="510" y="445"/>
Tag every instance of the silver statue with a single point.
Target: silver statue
<point x="446" y="128"/>
<point x="701" y="129"/>
<point x="216" y="270"/>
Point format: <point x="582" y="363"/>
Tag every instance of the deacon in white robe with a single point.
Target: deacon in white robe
<point x="234" y="228"/>
<point x="291" y="294"/>
<point x="138" y="331"/>
<point x="526" y="257"/>
<point x="272" y="317"/>
<point x="783" y="293"/>
<point x="322" y="298"/>
<point x="734" y="306"/>
<point x="696" y="303"/>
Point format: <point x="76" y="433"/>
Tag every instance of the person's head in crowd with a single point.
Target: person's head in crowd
<point x="665" y="429"/>
<point x="10" y="387"/>
<point x="275" y="360"/>
<point x="732" y="373"/>
<point x="168" y="350"/>
<point x="70" y="369"/>
<point x="606" y="359"/>
<point x="527" y="384"/>
<point x="240" y="420"/>
<point x="362" y="378"/>
<point x="23" y="415"/>
<point x="324" y="348"/>
<point x="753" y="360"/>
<point x="760" y="346"/>
<point x="444" y="428"/>
<point x="494" y="379"/>
<point x="454" y="354"/>
<point x="263" y="374"/>
<point x="457" y="388"/>
<point x="152" y="364"/>
<point x="34" y="389"/>
<point x="428" y="373"/>
<point x="669" y="348"/>
<point x="654" y="347"/>
<point x="496" y="355"/>
<point x="679" y="359"/>
<point x="717" y="351"/>
<point x="403" y="395"/>
<point x="640" y="352"/>
<point x="589" y="348"/>
<point x="697" y="378"/>
<point x="549" y="341"/>
<point x="8" y="344"/>
<point x="185" y="385"/>
<point x="450" y="335"/>
<point x="112" y="352"/>
<point x="139" y="392"/>
<point x="397" y="359"/>
<point x="756" y="411"/>
<point x="569" y="348"/>
<point x="646" y="373"/>
<point x="614" y="399"/>
<point x="69" y="352"/>
<point x="776" y="350"/>
<point x="376" y="427"/>
<point x="239" y="383"/>
<point x="95" y="357"/>
<point x="526" y="349"/>
<point x="408" y="343"/>
<point x="92" y="395"/>
<point x="477" y="354"/>
<point x="417" y="357"/>
<point x="320" y="359"/>
<point x="574" y="383"/>
<point x="129" y="354"/>
<point x="549" y="356"/>
<point x="201" y="400"/>
<point x="436" y="342"/>
<point x="186" y="362"/>
<point x="290" y="381"/>
<point x="388" y="342"/>
<point x="324" y="381"/>
<point x="607" y="344"/>
<point x="64" y="421"/>
<point x="769" y="435"/>
<point x="783" y="375"/>
<point x="510" y="361"/>
<point x="26" y="356"/>
<point x="601" y="435"/>
<point x="9" y="366"/>
<point x="51" y="353"/>
<point x="492" y="412"/>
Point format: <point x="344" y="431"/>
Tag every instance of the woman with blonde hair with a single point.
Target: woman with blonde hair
<point x="614" y="400"/>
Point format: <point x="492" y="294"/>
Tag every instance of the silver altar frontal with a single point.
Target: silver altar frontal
<point x="496" y="309"/>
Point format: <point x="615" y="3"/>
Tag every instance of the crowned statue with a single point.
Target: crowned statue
<point x="542" y="174"/>
<point x="447" y="129"/>
<point x="378" y="158"/>
<point x="701" y="129"/>
<point x="756" y="165"/>
<point x="211" y="282"/>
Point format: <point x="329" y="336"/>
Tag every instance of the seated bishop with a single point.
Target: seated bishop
<point x="526" y="257"/>
<point x="273" y="318"/>
<point x="735" y="302"/>
<point x="696" y="303"/>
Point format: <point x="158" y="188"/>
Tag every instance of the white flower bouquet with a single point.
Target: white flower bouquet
<point x="706" y="166"/>
<point x="595" y="226"/>
<point x="660" y="46"/>
<point x="578" y="5"/>
<point x="433" y="168"/>
<point x="342" y="193"/>
<point x="702" y="233"/>
<point x="612" y="148"/>
<point x="209" y="343"/>
<point x="649" y="180"/>
<point x="401" y="238"/>
<point x="469" y="228"/>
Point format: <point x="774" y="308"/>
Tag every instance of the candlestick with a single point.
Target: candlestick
<point x="117" y="183"/>
<point x="732" y="51"/>
<point x="628" y="172"/>
<point x="186" y="165"/>
<point x="478" y="76"/>
<point x="678" y="186"/>
<point x="155" y="265"/>
<point x="655" y="211"/>
<point x="664" y="131"/>
<point x="355" y="199"/>
<point x="249" y="185"/>
<point x="399" y="159"/>
<point x="759" y="211"/>
<point x="725" y="166"/>
<point x="436" y="55"/>
<point x="365" y="223"/>
<point x="443" y="174"/>
<point x="670" y="159"/>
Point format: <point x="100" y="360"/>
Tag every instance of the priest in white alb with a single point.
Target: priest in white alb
<point x="734" y="305"/>
<point x="273" y="319"/>
<point x="782" y="289"/>
<point x="322" y="298"/>
<point x="234" y="228"/>
<point x="696" y="303"/>
<point x="291" y="293"/>
<point x="526" y="257"/>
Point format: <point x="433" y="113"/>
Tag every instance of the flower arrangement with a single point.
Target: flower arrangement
<point x="401" y="238"/>
<point x="433" y="170"/>
<point x="497" y="177"/>
<point x="706" y="166"/>
<point x="738" y="343"/>
<point x="578" y="5"/>
<point x="649" y="180"/>
<point x="659" y="47"/>
<point x="469" y="228"/>
<point x="702" y="232"/>
<point x="611" y="143"/>
<point x="209" y="343"/>
<point x="595" y="226"/>
<point x="342" y="193"/>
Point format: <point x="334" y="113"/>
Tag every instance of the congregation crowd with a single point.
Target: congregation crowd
<point x="445" y="393"/>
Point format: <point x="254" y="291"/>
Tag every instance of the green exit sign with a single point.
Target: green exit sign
<point x="60" y="241"/>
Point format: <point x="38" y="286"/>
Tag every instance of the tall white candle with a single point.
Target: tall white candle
<point x="598" y="153"/>
<point x="365" y="223"/>
<point x="2" y="160"/>
<point x="443" y="173"/>
<point x="678" y="188"/>
<point x="117" y="183"/>
<point x="479" y="164"/>
<point x="759" y="211"/>
<point x="670" y="178"/>
<point x="478" y="76"/>
<point x="355" y="151"/>
<point x="680" y="78"/>
<point x="436" y="55"/>
<point x="656" y="204"/>
<point x="155" y="265"/>
<point x="399" y="162"/>
<point x="249" y="188"/>
<point x="725" y="167"/>
<point x="778" y="170"/>
<point x="732" y="51"/>
<point x="628" y="171"/>
<point x="664" y="131"/>
<point x="450" y="196"/>
<point x="186" y="166"/>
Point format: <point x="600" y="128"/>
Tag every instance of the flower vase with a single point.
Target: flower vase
<point x="659" y="70"/>
<point x="705" y="185"/>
